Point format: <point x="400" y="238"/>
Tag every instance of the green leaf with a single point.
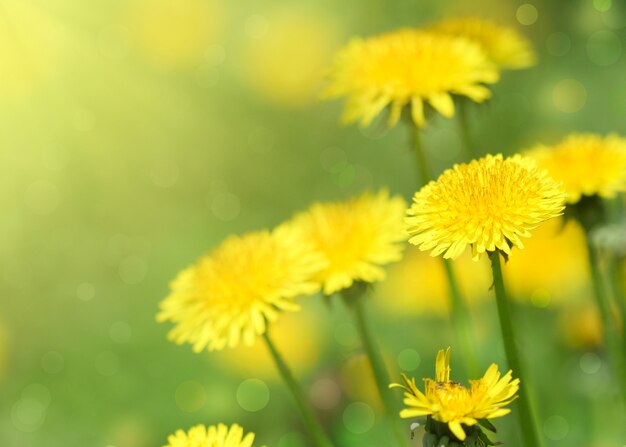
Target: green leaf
<point x="443" y="442"/>
<point x="429" y="440"/>
<point x="488" y="425"/>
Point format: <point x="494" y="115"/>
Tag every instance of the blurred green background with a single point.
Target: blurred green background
<point x="135" y="135"/>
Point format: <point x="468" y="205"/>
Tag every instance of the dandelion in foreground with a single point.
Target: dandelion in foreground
<point x="358" y="237"/>
<point x="460" y="408"/>
<point x="587" y="164"/>
<point x="214" y="436"/>
<point x="228" y="296"/>
<point x="489" y="204"/>
<point x="503" y="45"/>
<point x="408" y="67"/>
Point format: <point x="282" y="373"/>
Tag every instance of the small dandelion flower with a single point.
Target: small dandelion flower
<point x="408" y="67"/>
<point x="228" y="295"/>
<point x="358" y="237"/>
<point x="214" y="436"/>
<point x="503" y="45"/>
<point x="453" y="404"/>
<point x="488" y="204"/>
<point x="587" y="164"/>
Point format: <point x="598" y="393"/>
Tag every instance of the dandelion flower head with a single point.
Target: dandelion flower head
<point x="489" y="204"/>
<point x="587" y="164"/>
<point x="227" y="296"/>
<point x="358" y="237"/>
<point x="452" y="403"/>
<point x="214" y="436"/>
<point x="504" y="46"/>
<point x="408" y="67"/>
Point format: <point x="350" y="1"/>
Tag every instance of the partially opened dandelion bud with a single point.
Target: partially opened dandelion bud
<point x="504" y="45"/>
<point x="454" y="412"/>
<point x="489" y="204"/>
<point x="228" y="296"/>
<point x="213" y="436"/>
<point x="410" y="68"/>
<point x="358" y="237"/>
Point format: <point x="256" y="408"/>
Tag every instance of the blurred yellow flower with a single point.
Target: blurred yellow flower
<point x="552" y="268"/>
<point x="580" y="326"/>
<point x="175" y="34"/>
<point x="213" y="436"/>
<point x="408" y="67"/>
<point x="587" y="164"/>
<point x="452" y="403"/>
<point x="358" y="237"/>
<point x="504" y="46"/>
<point x="229" y="295"/>
<point x="300" y="352"/>
<point x="286" y="64"/>
<point x="489" y="204"/>
<point x="418" y="285"/>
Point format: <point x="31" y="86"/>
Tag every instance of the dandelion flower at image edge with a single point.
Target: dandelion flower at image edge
<point x="227" y="296"/>
<point x="489" y="204"/>
<point x="504" y="45"/>
<point x="451" y="403"/>
<point x="587" y="164"/>
<point x="358" y="237"/>
<point x="213" y="436"/>
<point x="411" y="68"/>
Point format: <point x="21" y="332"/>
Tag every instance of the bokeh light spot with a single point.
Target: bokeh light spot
<point x="555" y="428"/>
<point x="604" y="48"/>
<point x="345" y="334"/>
<point x="190" y="396"/>
<point x="325" y="393"/>
<point x="225" y="206"/>
<point x="358" y="417"/>
<point x="107" y="363"/>
<point x="333" y="159"/>
<point x="590" y="363"/>
<point x="253" y="395"/>
<point x="558" y="44"/>
<point x="602" y="5"/>
<point x="132" y="269"/>
<point x="28" y="414"/>
<point x="85" y="291"/>
<point x="569" y="96"/>
<point x="541" y="298"/>
<point x="42" y="197"/>
<point x="52" y="362"/>
<point x="527" y="14"/>
<point x="409" y="360"/>
<point x="120" y="332"/>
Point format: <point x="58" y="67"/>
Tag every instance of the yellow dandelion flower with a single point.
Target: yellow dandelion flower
<point x="504" y="46"/>
<point x="357" y="237"/>
<point x="587" y="164"/>
<point x="218" y="435"/>
<point x="408" y="67"/>
<point x="451" y="403"/>
<point x="488" y="204"/>
<point x="228" y="295"/>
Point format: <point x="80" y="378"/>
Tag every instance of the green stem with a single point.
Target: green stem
<point x="459" y="312"/>
<point x="381" y="376"/>
<point x="310" y="421"/>
<point x="466" y="138"/>
<point x="530" y="433"/>
<point x="611" y="337"/>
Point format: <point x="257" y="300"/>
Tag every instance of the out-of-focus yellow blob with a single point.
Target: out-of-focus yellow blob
<point x="581" y="327"/>
<point x="418" y="285"/>
<point x="175" y="33"/>
<point x="357" y="380"/>
<point x="31" y="44"/>
<point x="297" y="340"/>
<point x="551" y="269"/>
<point x="286" y="63"/>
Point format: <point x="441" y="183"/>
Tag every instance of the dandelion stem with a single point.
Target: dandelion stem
<point x="619" y="292"/>
<point x="459" y="312"/>
<point x="609" y="326"/>
<point x="466" y="137"/>
<point x="310" y="421"/>
<point x="530" y="434"/>
<point x="381" y="376"/>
